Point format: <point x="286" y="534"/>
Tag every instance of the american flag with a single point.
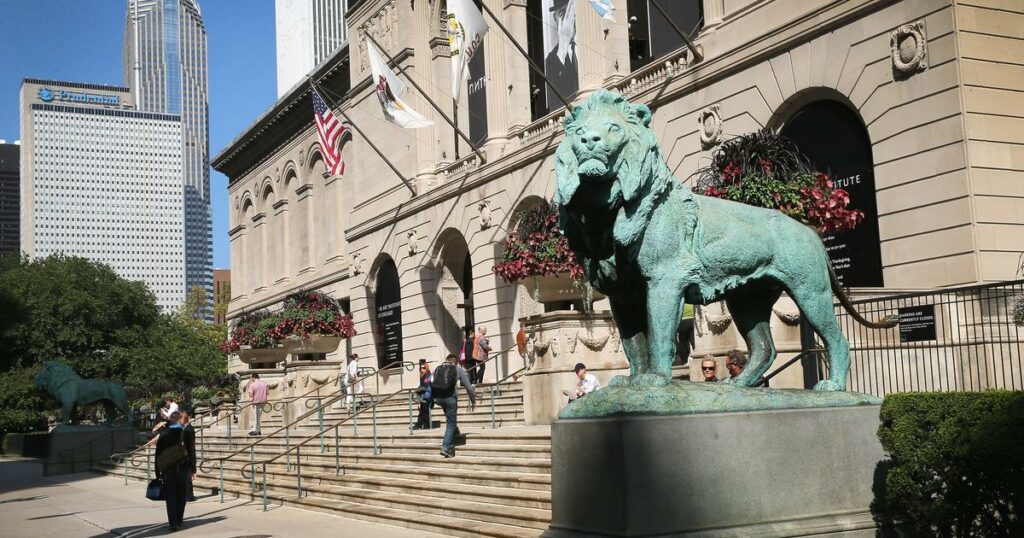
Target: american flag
<point x="330" y="130"/>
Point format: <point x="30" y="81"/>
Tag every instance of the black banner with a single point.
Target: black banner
<point x="478" y="97"/>
<point x="835" y="140"/>
<point x="917" y="323"/>
<point x="388" y="315"/>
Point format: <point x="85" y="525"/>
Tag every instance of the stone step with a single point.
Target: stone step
<point x="423" y="445"/>
<point x="517" y="435"/>
<point x="464" y="420"/>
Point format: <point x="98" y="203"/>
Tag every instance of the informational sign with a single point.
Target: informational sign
<point x="832" y="136"/>
<point x="917" y="323"/>
<point x="478" y="97"/>
<point x="388" y="315"/>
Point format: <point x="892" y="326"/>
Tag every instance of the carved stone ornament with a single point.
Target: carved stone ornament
<point x="909" y="49"/>
<point x="595" y="343"/>
<point x="710" y="121"/>
<point x="382" y="25"/>
<point x="485" y="214"/>
<point x="716" y="323"/>
<point x="413" y="243"/>
<point x="302" y="157"/>
<point x="542" y="347"/>
<point x="789" y="316"/>
<point x="570" y="344"/>
<point x="357" y="264"/>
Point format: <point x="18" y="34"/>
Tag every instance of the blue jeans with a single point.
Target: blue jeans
<point x="450" y="406"/>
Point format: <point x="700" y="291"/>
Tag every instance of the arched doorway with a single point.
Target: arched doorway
<point x="387" y="312"/>
<point x="833" y="136"/>
<point x="453" y="271"/>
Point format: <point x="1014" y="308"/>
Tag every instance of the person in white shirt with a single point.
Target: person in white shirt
<point x="587" y="382"/>
<point x="168" y="408"/>
<point x="352" y="382"/>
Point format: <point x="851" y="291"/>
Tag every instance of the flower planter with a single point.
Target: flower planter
<point x="315" y="343"/>
<point x="250" y="355"/>
<point x="554" y="288"/>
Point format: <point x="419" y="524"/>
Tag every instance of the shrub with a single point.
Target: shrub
<point x="312" y="312"/>
<point x="957" y="463"/>
<point x="201" y="393"/>
<point x="765" y="169"/>
<point x="536" y="247"/>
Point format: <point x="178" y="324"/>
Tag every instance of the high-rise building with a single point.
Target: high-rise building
<point x="308" y="32"/>
<point x="221" y="294"/>
<point x="9" y="207"/>
<point x="103" y="181"/>
<point x="165" y="67"/>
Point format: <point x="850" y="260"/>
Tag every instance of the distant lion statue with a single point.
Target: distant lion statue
<point x="649" y="243"/>
<point x="70" y="389"/>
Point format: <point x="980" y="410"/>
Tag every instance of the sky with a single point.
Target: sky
<point x="82" y="41"/>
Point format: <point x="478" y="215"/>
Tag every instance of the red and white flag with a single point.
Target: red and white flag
<point x="330" y="130"/>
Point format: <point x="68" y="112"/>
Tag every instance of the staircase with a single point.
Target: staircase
<point x="499" y="483"/>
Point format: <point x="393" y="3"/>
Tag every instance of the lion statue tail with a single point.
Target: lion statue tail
<point x="886" y="322"/>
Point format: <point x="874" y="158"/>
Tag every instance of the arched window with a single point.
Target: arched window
<point x="833" y="136"/>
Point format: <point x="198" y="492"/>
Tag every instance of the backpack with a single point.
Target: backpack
<point x="443" y="384"/>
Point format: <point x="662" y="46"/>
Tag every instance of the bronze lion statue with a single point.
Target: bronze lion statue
<point x="70" y="389"/>
<point x="650" y="244"/>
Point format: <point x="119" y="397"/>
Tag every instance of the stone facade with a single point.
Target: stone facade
<point x="938" y="86"/>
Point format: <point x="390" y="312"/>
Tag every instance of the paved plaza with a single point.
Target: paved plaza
<point x="90" y="505"/>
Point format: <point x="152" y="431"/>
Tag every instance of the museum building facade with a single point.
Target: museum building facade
<point x="915" y="106"/>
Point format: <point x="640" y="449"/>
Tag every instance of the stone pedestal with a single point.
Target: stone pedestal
<point x="560" y="340"/>
<point x="73" y="449"/>
<point x="805" y="472"/>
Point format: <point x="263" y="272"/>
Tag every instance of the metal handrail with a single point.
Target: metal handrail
<point x="763" y="382"/>
<point x="495" y="388"/>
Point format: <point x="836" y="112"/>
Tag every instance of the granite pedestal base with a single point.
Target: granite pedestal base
<point x="796" y="472"/>
<point x="72" y="449"/>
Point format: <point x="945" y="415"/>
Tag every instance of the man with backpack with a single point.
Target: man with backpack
<point x="442" y="389"/>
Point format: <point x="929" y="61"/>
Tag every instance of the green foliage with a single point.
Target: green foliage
<point x="20" y="404"/>
<point x="70" y="309"/>
<point x="252" y="329"/>
<point x="201" y="393"/>
<point x="957" y="463"/>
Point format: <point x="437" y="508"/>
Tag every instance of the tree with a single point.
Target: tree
<point x="70" y="309"/>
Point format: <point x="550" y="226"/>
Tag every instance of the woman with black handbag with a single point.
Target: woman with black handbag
<point x="176" y="465"/>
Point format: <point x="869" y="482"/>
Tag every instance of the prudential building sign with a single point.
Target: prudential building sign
<point x="47" y="95"/>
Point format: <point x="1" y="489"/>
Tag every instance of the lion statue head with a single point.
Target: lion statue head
<point x="609" y="164"/>
<point x="53" y="374"/>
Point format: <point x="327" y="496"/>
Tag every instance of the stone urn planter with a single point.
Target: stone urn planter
<point x="314" y="343"/>
<point x="554" y="288"/>
<point x="251" y="355"/>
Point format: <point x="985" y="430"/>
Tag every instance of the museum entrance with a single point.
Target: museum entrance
<point x="454" y="276"/>
<point x="388" y="315"/>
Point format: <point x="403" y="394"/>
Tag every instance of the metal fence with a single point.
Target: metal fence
<point x="957" y="339"/>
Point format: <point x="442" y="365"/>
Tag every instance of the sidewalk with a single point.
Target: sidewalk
<point x="91" y="505"/>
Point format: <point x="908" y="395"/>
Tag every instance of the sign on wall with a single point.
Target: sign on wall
<point x="835" y="140"/>
<point x="560" y="52"/>
<point x="388" y="315"/>
<point x="478" y="97"/>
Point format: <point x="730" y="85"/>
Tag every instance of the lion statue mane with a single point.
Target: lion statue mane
<point x="70" y="389"/>
<point x="650" y="244"/>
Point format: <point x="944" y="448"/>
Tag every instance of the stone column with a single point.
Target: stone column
<point x="714" y="10"/>
<point x="602" y="48"/>
<point x="259" y="228"/>
<point x="236" y="237"/>
<point x="282" y="223"/>
<point x="516" y="91"/>
<point x="498" y="78"/>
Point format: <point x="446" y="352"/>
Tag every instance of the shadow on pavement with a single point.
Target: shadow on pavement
<point x="157" y="529"/>
<point x="23" y="499"/>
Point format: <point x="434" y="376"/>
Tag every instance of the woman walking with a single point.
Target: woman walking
<point x="176" y="465"/>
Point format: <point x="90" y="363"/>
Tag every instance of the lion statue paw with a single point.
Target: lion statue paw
<point x="828" y="384"/>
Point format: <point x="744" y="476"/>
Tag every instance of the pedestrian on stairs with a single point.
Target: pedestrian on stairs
<point x="257" y="391"/>
<point x="423" y="421"/>
<point x="353" y="385"/>
<point x="442" y="389"/>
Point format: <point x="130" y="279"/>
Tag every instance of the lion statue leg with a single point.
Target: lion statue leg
<point x="819" y="311"/>
<point x="631" y="320"/>
<point x="664" y="308"/>
<point x="67" y="409"/>
<point x="751" y="311"/>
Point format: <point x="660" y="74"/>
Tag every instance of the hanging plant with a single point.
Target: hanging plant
<point x="765" y="169"/>
<point x="251" y="330"/>
<point x="536" y="247"/>
<point x="309" y="313"/>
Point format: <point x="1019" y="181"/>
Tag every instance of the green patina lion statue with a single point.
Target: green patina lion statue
<point x="70" y="389"/>
<point x="650" y="244"/>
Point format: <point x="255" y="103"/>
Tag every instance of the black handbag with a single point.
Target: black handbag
<point x="172" y="456"/>
<point x="155" y="490"/>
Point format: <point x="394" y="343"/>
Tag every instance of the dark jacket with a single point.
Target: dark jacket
<point x="172" y="436"/>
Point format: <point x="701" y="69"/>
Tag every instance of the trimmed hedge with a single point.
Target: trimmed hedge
<point x="957" y="464"/>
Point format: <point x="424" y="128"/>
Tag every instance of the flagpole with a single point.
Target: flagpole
<point x="391" y="165"/>
<point x="427" y="97"/>
<point x="527" y="56"/>
<point x="697" y="56"/>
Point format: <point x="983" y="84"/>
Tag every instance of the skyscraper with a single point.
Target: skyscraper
<point x="9" y="206"/>
<point x="308" y="32"/>
<point x="165" y="68"/>
<point x="103" y="181"/>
